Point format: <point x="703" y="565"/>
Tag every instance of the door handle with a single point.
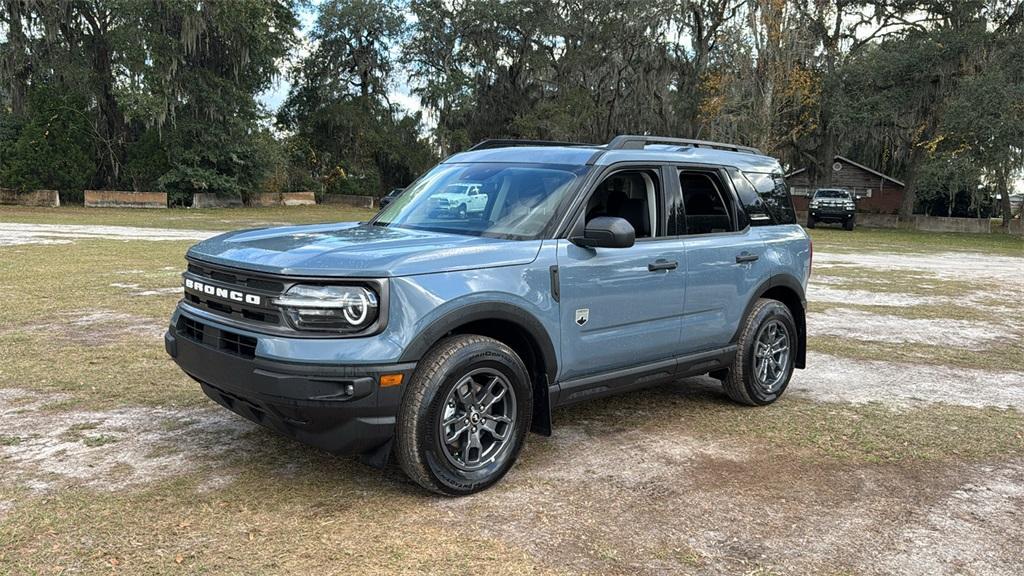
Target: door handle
<point x="660" y="264"/>
<point x="746" y="257"/>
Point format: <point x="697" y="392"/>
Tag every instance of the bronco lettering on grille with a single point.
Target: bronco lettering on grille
<point x="225" y="293"/>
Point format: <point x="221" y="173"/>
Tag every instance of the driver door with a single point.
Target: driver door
<point x="621" y="308"/>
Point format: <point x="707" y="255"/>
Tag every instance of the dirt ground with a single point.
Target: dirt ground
<point x="899" y="450"/>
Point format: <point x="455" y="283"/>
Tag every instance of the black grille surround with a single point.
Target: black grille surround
<point x="231" y="295"/>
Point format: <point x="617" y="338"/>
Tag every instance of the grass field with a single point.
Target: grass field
<point x="195" y="219"/>
<point x="899" y="450"/>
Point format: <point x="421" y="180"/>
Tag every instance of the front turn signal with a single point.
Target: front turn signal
<point x="387" y="380"/>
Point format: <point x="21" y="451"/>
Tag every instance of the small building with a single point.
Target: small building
<point x="875" y="192"/>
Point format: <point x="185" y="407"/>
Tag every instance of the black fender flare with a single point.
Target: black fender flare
<point x="506" y="312"/>
<point x="790" y="282"/>
<point x="484" y="311"/>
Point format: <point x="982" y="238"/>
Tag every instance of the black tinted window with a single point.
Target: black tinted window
<point x="754" y="207"/>
<point x="774" y="198"/>
<point x="704" y="203"/>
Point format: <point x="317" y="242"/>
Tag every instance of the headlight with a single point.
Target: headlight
<point x="814" y="203"/>
<point x="330" y="308"/>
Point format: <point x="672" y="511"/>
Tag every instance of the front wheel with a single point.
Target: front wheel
<point x="462" y="212"/>
<point x="765" y="355"/>
<point x="810" y="221"/>
<point x="464" y="417"/>
<point x="848" y="225"/>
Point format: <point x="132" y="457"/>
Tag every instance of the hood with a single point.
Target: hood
<point x="358" y="250"/>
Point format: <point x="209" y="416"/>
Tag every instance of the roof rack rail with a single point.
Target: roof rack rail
<point x="639" y="142"/>
<point x="506" y="143"/>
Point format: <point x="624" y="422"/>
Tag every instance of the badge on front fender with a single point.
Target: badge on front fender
<point x="582" y="315"/>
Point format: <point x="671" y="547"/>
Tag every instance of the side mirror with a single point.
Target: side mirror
<point x="606" y="232"/>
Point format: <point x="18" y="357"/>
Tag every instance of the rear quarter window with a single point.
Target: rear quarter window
<point x="765" y="197"/>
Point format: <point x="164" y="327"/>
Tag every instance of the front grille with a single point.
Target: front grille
<point x="235" y="279"/>
<point x="267" y="289"/>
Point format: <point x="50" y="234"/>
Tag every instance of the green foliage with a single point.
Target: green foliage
<point x="51" y="149"/>
<point x="166" y="93"/>
<point x="352" y="141"/>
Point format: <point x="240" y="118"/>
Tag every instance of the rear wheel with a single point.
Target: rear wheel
<point x="765" y="356"/>
<point x="463" y="419"/>
<point x="810" y="222"/>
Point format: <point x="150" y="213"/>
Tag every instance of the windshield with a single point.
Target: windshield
<point x="483" y="199"/>
<point x="832" y="194"/>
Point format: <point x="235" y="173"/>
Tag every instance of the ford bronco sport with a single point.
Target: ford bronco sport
<point x="439" y="341"/>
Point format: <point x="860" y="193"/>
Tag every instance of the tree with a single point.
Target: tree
<point x="138" y="67"/>
<point x="985" y="118"/>
<point x="338" y="108"/>
<point x="53" y="147"/>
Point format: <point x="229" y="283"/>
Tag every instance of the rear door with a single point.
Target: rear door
<point x="725" y="259"/>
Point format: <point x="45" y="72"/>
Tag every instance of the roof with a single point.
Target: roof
<point x="858" y="165"/>
<point x="602" y="156"/>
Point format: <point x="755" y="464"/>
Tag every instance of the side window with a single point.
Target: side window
<point x="753" y="205"/>
<point x="705" y="203"/>
<point x="774" y="194"/>
<point x="634" y="195"/>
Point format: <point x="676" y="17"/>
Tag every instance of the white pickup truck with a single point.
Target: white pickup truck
<point x="461" y="200"/>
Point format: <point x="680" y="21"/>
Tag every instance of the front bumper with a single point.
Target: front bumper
<point x="341" y="409"/>
<point x="833" y="214"/>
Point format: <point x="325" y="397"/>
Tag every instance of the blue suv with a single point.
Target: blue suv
<point x="438" y="341"/>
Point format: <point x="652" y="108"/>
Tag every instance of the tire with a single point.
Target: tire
<point x="744" y="383"/>
<point x="438" y="390"/>
<point x="810" y="222"/>
<point x="462" y="212"/>
<point x="848" y="225"/>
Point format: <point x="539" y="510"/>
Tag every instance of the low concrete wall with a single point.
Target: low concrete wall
<point x="47" y="198"/>
<point x="268" y="200"/>
<point x="1016" y="227"/>
<point x="943" y="224"/>
<point x="210" y="200"/>
<point x="367" y="202"/>
<point x="878" y="220"/>
<point x="864" y="219"/>
<point x="298" y="199"/>
<point x="287" y="199"/>
<point x="120" y="199"/>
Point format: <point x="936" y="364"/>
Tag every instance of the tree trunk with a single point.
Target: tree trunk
<point x="1003" y="188"/>
<point x="110" y="123"/>
<point x="910" y="190"/>
<point x="17" y="66"/>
